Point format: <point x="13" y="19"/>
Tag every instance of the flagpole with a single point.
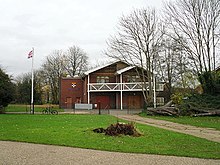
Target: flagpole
<point x="32" y="83"/>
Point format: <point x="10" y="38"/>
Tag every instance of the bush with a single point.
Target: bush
<point x="2" y="109"/>
<point x="210" y="82"/>
<point x="198" y="102"/>
<point x="177" y="98"/>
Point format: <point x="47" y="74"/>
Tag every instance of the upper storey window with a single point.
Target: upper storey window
<point x="133" y="78"/>
<point x="102" y="79"/>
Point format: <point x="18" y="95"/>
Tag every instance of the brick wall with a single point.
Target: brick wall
<point x="71" y="91"/>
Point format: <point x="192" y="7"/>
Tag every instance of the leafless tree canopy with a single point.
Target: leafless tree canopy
<point x="60" y="64"/>
<point x="53" y="69"/>
<point x="75" y="61"/>
<point x="136" y="39"/>
<point x="196" y="25"/>
<point x="137" y="43"/>
<point x="173" y="65"/>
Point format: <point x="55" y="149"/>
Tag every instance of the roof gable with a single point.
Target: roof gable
<point x="101" y="67"/>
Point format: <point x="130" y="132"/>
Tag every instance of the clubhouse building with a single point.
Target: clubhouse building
<point x="115" y="85"/>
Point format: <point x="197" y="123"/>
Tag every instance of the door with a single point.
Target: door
<point x="69" y="103"/>
<point x="134" y="102"/>
<point x="104" y="101"/>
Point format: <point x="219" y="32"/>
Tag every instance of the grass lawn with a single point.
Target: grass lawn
<point x="208" y="122"/>
<point x="26" y="108"/>
<point x="76" y="131"/>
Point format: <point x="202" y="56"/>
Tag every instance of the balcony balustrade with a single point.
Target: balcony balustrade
<point x="135" y="86"/>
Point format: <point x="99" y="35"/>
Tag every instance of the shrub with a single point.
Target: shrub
<point x="196" y="103"/>
<point x="210" y="82"/>
<point x="177" y="98"/>
<point x="2" y="109"/>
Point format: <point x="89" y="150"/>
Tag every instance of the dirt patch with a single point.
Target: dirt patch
<point x="119" y="129"/>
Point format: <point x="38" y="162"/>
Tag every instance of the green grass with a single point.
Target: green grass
<point x="206" y="122"/>
<point x="26" y="108"/>
<point x="76" y="131"/>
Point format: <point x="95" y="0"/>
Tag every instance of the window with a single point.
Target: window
<point x="160" y="101"/>
<point x="159" y="87"/>
<point x="107" y="79"/>
<point x="78" y="100"/>
<point x="133" y="78"/>
<point x="102" y="79"/>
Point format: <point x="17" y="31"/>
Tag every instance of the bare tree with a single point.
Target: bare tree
<point x="165" y="63"/>
<point x="197" y="22"/>
<point x="137" y="43"/>
<point x="75" y="61"/>
<point x="172" y="65"/>
<point x="23" y="88"/>
<point x="60" y="64"/>
<point x="53" y="69"/>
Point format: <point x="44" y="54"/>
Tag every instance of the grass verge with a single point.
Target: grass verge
<point x="26" y="108"/>
<point x="76" y="131"/>
<point x="206" y="122"/>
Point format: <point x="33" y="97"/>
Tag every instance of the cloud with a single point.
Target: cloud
<point x="57" y="24"/>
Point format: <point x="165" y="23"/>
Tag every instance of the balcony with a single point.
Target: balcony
<point x="136" y="86"/>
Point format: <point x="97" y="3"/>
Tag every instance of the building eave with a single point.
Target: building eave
<point x="124" y="70"/>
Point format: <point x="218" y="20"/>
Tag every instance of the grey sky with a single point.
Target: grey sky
<point x="49" y="25"/>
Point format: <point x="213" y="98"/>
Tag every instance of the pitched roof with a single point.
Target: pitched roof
<point x="100" y="67"/>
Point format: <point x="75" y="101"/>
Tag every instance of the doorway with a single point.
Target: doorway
<point x="104" y="101"/>
<point x="69" y="103"/>
<point x="134" y="102"/>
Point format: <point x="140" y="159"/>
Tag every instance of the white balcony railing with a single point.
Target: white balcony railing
<point x="137" y="86"/>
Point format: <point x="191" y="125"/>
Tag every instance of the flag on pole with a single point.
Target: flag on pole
<point x="30" y="54"/>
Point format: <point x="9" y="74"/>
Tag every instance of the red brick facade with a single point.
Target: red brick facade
<point x="70" y="92"/>
<point x="113" y="85"/>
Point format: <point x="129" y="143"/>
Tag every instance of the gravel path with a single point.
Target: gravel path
<point x="207" y="133"/>
<point x="16" y="153"/>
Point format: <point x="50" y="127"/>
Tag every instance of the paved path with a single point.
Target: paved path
<point x="15" y="153"/>
<point x="207" y="133"/>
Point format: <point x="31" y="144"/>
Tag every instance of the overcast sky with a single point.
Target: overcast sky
<point x="49" y="25"/>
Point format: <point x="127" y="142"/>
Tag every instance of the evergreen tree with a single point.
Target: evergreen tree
<point x="6" y="89"/>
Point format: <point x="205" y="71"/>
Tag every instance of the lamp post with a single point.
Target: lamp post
<point x="154" y="71"/>
<point x="154" y="85"/>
